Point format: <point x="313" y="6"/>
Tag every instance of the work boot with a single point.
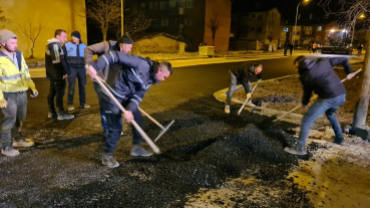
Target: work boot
<point x="85" y="106"/>
<point x="52" y="115"/>
<point x="23" y="144"/>
<point x="296" y="150"/>
<point x="10" y="152"/>
<point x="122" y="133"/>
<point x="227" y="109"/>
<point x="109" y="161"/>
<point x="64" y="116"/>
<point x="338" y="141"/>
<point x="71" y="108"/>
<point x="138" y="150"/>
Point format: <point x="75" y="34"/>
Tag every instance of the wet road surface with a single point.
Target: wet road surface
<point x="203" y="149"/>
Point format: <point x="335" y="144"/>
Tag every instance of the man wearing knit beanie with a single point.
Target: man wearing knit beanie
<point x="13" y="98"/>
<point x="75" y="59"/>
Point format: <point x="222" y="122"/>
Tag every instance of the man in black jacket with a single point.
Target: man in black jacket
<point x="242" y="74"/>
<point x="129" y="78"/>
<point x="56" y="71"/>
<point x="317" y="75"/>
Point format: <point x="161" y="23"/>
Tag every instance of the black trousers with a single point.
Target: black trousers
<point x="80" y="74"/>
<point x="57" y="90"/>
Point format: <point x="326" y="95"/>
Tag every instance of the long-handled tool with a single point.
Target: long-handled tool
<point x="164" y="129"/>
<point x="300" y="105"/>
<point x="246" y="100"/>
<point x="142" y="133"/>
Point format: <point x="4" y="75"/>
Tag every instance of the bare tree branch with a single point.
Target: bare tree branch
<point x="135" y="22"/>
<point x="213" y="24"/>
<point x="32" y="32"/>
<point x="105" y="13"/>
<point x="272" y="32"/>
<point x="3" y="19"/>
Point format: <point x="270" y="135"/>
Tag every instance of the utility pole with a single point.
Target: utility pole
<point x="122" y="19"/>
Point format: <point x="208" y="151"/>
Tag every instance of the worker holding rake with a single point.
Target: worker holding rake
<point x="318" y="76"/>
<point x="242" y="74"/>
<point x="129" y="78"/>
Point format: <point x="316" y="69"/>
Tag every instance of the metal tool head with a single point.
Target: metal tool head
<point x="164" y="130"/>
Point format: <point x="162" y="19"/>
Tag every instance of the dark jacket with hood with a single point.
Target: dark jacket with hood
<point x="245" y="73"/>
<point x="317" y="75"/>
<point x="130" y="76"/>
<point x="55" y="60"/>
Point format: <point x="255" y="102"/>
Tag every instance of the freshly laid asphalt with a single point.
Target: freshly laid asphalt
<point x="203" y="149"/>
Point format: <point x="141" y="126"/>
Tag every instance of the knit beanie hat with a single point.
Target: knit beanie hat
<point x="5" y="35"/>
<point x="125" y="39"/>
<point x="76" y="34"/>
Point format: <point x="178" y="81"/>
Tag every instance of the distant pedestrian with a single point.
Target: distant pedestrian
<point x="15" y="80"/>
<point x="310" y="48"/>
<point x="359" y="49"/>
<point x="57" y="72"/>
<point x="286" y="47"/>
<point x="291" y="49"/>
<point x="314" y="48"/>
<point x="75" y="59"/>
<point x="242" y="74"/>
<point x="317" y="75"/>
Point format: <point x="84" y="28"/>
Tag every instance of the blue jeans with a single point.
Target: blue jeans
<point x="100" y="94"/>
<point x="329" y="107"/>
<point x="114" y="125"/>
<point x="80" y="74"/>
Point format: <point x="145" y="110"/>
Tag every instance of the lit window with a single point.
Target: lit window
<point x="163" y="5"/>
<point x="319" y="28"/>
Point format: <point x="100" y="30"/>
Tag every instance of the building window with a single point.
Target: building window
<point x="252" y="28"/>
<point x="311" y="15"/>
<point x="319" y="28"/>
<point x="189" y="3"/>
<point x="142" y="5"/>
<point x="163" y="5"/>
<point x="253" y="16"/>
<point x="318" y="38"/>
<point x="164" y="22"/>
<point x="155" y="23"/>
<point x="182" y="3"/>
<point x="259" y="29"/>
<point x="153" y="5"/>
<point x="326" y="16"/>
<point x="188" y="22"/>
<point x="260" y="17"/>
<point x="173" y="3"/>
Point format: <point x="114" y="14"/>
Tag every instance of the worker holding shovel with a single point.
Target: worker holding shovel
<point x="318" y="76"/>
<point x="129" y="78"/>
<point x="242" y="74"/>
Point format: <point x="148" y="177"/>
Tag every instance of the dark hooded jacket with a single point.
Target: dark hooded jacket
<point x="130" y="76"/>
<point x="317" y="75"/>
<point x="245" y="73"/>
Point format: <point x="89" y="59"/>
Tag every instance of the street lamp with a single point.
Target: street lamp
<point x="296" y="17"/>
<point x="354" y="25"/>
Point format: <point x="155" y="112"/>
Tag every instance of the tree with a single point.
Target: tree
<point x="32" y="32"/>
<point x="213" y="24"/>
<point x="105" y="13"/>
<point x="3" y="19"/>
<point x="272" y="32"/>
<point x="135" y="22"/>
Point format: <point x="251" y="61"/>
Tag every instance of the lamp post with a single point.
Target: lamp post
<point x="122" y="1"/>
<point x="354" y="25"/>
<point x="295" y="25"/>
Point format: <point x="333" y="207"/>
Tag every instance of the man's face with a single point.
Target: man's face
<point x="62" y="38"/>
<point x="126" y="48"/>
<point x="10" y="45"/>
<point x="75" y="40"/>
<point x="162" y="74"/>
<point x="258" y="69"/>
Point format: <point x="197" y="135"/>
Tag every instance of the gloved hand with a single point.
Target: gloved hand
<point x="248" y="95"/>
<point x="3" y="103"/>
<point x="34" y="93"/>
<point x="314" y="98"/>
<point x="227" y="109"/>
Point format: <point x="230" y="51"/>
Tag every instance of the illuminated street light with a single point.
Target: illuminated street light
<point x="295" y="25"/>
<point x="362" y="16"/>
<point x="344" y="31"/>
<point x="332" y="30"/>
